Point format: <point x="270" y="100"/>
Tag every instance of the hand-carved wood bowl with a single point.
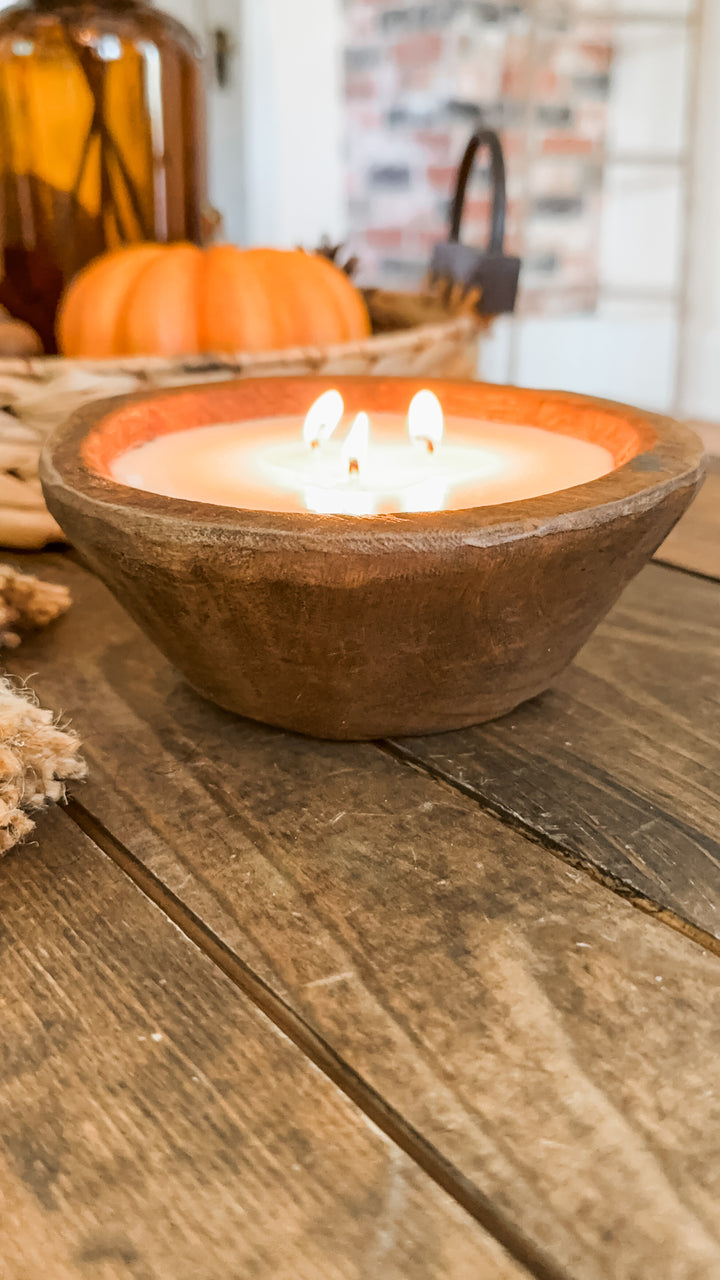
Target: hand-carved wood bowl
<point x="364" y="627"/>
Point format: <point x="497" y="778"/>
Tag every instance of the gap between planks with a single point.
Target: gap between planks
<point x="535" y="1261"/>
<point x="509" y="818"/>
<point x="681" y="568"/>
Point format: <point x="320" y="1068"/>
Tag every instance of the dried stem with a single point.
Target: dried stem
<point x="95" y="78"/>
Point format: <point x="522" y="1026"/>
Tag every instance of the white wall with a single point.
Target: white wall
<point x="226" y="112"/>
<point x="275" y="131"/>
<point x="293" y="125"/>
<point x="628" y="349"/>
<point x="620" y="352"/>
<point x="700" y="381"/>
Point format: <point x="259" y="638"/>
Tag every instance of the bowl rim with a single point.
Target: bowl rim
<point x="669" y="456"/>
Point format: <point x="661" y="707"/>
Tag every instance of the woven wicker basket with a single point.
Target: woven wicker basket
<point x="37" y="394"/>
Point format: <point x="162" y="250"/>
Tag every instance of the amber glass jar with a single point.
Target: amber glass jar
<point x="102" y="142"/>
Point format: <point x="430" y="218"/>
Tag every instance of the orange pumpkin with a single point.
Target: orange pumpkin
<point x="153" y="299"/>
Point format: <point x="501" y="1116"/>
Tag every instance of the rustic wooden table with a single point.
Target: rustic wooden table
<point x="290" y="1010"/>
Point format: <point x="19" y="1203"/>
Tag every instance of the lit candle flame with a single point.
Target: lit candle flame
<point x="322" y="418"/>
<point x="425" y="420"/>
<point x="354" y="450"/>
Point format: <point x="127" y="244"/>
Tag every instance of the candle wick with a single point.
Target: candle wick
<point x="353" y="467"/>
<point x="315" y="444"/>
<point x="430" y="446"/>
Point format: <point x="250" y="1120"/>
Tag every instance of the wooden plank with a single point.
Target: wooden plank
<point x="694" y="543"/>
<point x="618" y="763"/>
<point x="557" y="1046"/>
<point x="154" y="1124"/>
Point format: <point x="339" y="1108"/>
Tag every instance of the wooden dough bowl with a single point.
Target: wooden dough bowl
<point x="365" y="627"/>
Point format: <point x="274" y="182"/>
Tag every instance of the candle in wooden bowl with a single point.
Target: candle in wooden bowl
<point x="333" y="463"/>
<point x="353" y="570"/>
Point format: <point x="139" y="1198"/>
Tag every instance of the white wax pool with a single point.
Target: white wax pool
<point x="264" y="465"/>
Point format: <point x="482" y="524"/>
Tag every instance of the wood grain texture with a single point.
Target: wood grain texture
<point x="694" y="543"/>
<point x="618" y="763"/>
<point x="155" y="1126"/>
<point x="557" y="1046"/>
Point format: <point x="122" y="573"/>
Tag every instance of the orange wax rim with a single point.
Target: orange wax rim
<point x="623" y="432"/>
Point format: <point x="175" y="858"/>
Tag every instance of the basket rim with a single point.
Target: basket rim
<point x="376" y="345"/>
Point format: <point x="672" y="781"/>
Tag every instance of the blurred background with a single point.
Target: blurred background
<point x="346" y="119"/>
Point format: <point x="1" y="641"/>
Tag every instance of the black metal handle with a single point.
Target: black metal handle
<point x="483" y="138"/>
<point x="222" y="52"/>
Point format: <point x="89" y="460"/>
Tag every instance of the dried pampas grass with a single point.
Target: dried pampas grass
<point x="36" y="759"/>
<point x="27" y="603"/>
<point x="37" y="756"/>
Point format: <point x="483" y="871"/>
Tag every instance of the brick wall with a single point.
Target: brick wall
<point x="419" y="76"/>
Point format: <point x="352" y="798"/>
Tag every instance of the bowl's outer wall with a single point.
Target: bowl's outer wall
<point x="352" y="645"/>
